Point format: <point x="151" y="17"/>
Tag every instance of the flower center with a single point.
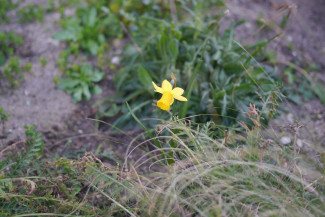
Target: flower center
<point x="165" y="101"/>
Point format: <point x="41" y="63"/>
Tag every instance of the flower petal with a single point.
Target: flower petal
<point x="157" y="89"/>
<point x="172" y="101"/>
<point x="166" y="86"/>
<point x="180" y="98"/>
<point x="177" y="91"/>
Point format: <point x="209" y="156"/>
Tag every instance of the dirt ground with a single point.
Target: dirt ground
<point x="304" y="30"/>
<point x="301" y="41"/>
<point x="36" y="101"/>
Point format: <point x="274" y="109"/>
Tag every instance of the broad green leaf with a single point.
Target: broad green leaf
<point x="77" y="95"/>
<point x="68" y="34"/>
<point x="92" y="17"/>
<point x="86" y="91"/>
<point x="173" y="48"/>
<point x="97" y="76"/>
<point x="2" y="58"/>
<point x="97" y="89"/>
<point x="93" y="47"/>
<point x="320" y="92"/>
<point x="113" y="110"/>
<point x="68" y="83"/>
<point x="144" y="77"/>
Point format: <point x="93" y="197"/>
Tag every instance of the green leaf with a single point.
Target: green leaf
<point x="92" y="17"/>
<point x="97" y="90"/>
<point x="320" y="92"/>
<point x="2" y="58"/>
<point x="77" y="95"/>
<point x="68" y="83"/>
<point x="64" y="35"/>
<point x="93" y="47"/>
<point x="144" y="77"/>
<point x="113" y="110"/>
<point x="86" y="91"/>
<point x="97" y="76"/>
<point x="173" y="48"/>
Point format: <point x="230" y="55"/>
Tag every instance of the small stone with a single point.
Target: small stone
<point x="299" y="143"/>
<point x="285" y="140"/>
<point x="290" y="118"/>
<point x="115" y="60"/>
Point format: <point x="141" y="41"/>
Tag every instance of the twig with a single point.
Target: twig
<point x="11" y="146"/>
<point x="226" y="138"/>
<point x="130" y="37"/>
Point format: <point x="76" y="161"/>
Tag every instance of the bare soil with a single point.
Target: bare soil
<point x="36" y="101"/>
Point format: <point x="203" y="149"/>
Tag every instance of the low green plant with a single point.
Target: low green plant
<point x="43" y="61"/>
<point x="5" y="6"/>
<point x="29" y="185"/>
<point x="220" y="76"/>
<point x="3" y="119"/>
<point x="8" y="44"/>
<point x="81" y="81"/>
<point x="3" y="116"/>
<point x="13" y="71"/>
<point x="31" y="12"/>
<point x="87" y="30"/>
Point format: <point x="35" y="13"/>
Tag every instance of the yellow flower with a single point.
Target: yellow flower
<point x="168" y="94"/>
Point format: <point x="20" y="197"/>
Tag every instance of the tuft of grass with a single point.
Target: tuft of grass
<point x="235" y="173"/>
<point x="242" y="174"/>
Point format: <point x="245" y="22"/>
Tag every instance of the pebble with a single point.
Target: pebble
<point x="299" y="143"/>
<point x="115" y="60"/>
<point x="290" y="118"/>
<point x="285" y="140"/>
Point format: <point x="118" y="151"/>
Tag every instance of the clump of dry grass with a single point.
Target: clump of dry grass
<point x="243" y="174"/>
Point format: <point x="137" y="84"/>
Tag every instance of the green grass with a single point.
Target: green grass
<point x="242" y="174"/>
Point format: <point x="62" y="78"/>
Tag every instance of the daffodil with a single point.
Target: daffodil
<point x="168" y="94"/>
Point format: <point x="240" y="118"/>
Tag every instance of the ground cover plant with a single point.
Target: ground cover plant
<point x="219" y="75"/>
<point x="8" y="44"/>
<point x="30" y="13"/>
<point x="5" y="6"/>
<point x="240" y="174"/>
<point x="198" y="102"/>
<point x="81" y="81"/>
<point x="11" y="71"/>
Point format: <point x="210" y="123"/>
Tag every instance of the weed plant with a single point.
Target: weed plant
<point x="3" y="119"/>
<point x="81" y="81"/>
<point x="221" y="77"/>
<point x="30" y="13"/>
<point x="88" y="29"/>
<point x="12" y="72"/>
<point x="8" y="44"/>
<point x="5" y="6"/>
